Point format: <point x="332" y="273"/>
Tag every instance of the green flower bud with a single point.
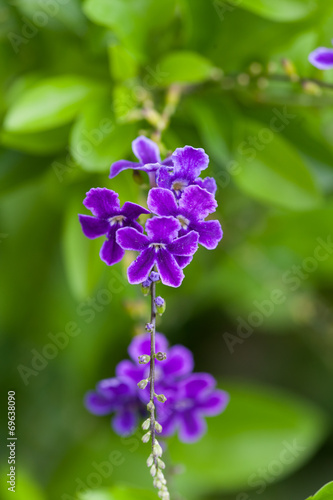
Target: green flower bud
<point x="158" y="427"/>
<point x="161" y="398"/>
<point x="146" y="424"/>
<point x="146" y="437"/>
<point x="143" y="383"/>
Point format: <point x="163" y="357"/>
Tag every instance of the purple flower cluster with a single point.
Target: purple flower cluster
<point x="190" y="396"/>
<point x="179" y="203"/>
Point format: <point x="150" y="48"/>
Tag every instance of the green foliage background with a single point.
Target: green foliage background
<point x="75" y="78"/>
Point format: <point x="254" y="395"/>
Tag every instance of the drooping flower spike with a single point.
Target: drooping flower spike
<point x="193" y="207"/>
<point x="322" y="58"/>
<point x="107" y="219"/>
<point x="188" y="163"/>
<point x="159" y="248"/>
<point x="147" y="153"/>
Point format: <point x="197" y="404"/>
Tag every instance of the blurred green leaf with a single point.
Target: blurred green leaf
<point x="43" y="142"/>
<point x="260" y="426"/>
<point x="183" y="67"/>
<point x="325" y="493"/>
<point x="49" y="103"/>
<point x="133" y="21"/>
<point x="119" y="493"/>
<point x="26" y="486"/>
<point x="271" y="170"/>
<point x="97" y="140"/>
<point x="16" y="169"/>
<point x="123" y="64"/>
<point x="284" y="10"/>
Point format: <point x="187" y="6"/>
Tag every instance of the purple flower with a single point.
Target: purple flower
<point x="179" y="362"/>
<point x="188" y="402"/>
<point x="193" y="207"/>
<point x="159" y="248"/>
<point x="149" y="158"/>
<point x="188" y="163"/>
<point x="119" y="396"/>
<point x="107" y="219"/>
<point x="322" y="58"/>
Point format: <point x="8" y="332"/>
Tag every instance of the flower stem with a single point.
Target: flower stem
<point x="152" y="366"/>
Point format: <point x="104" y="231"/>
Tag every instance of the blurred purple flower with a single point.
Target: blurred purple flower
<point x="322" y="58"/>
<point x="193" y="207"/>
<point x="148" y="154"/>
<point x="188" y="163"/>
<point x="107" y="219"/>
<point x="158" y="248"/>
<point x="188" y="402"/>
<point x="119" y="396"/>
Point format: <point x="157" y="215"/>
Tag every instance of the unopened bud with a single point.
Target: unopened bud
<point x="290" y="70"/>
<point x="311" y="88"/>
<point x="158" y="427"/>
<point x="161" y="356"/>
<point x="161" y="398"/>
<point x="143" y="383"/>
<point x="150" y="461"/>
<point x="146" y="424"/>
<point x="144" y="359"/>
<point x="157" y="483"/>
<point x="157" y="450"/>
<point x="150" y="406"/>
<point x="154" y="276"/>
<point x="145" y="287"/>
<point x="160" y="476"/>
<point x="146" y="437"/>
<point x="149" y="327"/>
<point x="160" y="305"/>
<point x="153" y="470"/>
<point x="160" y="463"/>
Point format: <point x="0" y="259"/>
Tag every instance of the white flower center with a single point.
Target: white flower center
<point x="179" y="185"/>
<point x="117" y="219"/>
<point x="183" y="221"/>
<point x="157" y="246"/>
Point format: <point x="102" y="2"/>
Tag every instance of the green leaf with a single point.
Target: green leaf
<point x="271" y="170"/>
<point x="183" y="67"/>
<point x="261" y="426"/>
<point x="43" y="142"/>
<point x="97" y="140"/>
<point x="50" y="103"/>
<point x="123" y="63"/>
<point x="119" y="493"/>
<point x="325" y="493"/>
<point x="133" y="21"/>
<point x="284" y="10"/>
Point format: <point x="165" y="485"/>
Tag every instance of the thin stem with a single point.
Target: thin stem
<point x="152" y="365"/>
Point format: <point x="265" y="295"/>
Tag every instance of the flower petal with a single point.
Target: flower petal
<point x="162" y="202"/>
<point x="130" y="239"/>
<point x="124" y="422"/>
<point x="116" y="387"/>
<point x="132" y="210"/>
<point x="186" y="245"/>
<point x="183" y="261"/>
<point x="179" y="362"/>
<point x="169" y="425"/>
<point x="102" y="202"/>
<point x="121" y="165"/>
<point x="171" y="274"/>
<point x="196" y="385"/>
<point x="111" y="252"/>
<point x="322" y="58"/>
<point x="162" y="229"/>
<point x="164" y="178"/>
<point x="139" y="270"/>
<point x="196" y="203"/>
<point x="128" y="369"/>
<point x="146" y="150"/>
<point x="141" y="345"/>
<point x="210" y="233"/>
<point x="192" y="426"/>
<point x="98" y="404"/>
<point x="207" y="183"/>
<point x="189" y="162"/>
<point x="93" y="227"/>
<point x="214" y="403"/>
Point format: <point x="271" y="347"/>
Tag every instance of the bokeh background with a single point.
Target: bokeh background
<point x="79" y="81"/>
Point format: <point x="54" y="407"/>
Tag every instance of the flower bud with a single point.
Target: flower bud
<point x="157" y="483"/>
<point x="160" y="305"/>
<point x="146" y="437"/>
<point x="158" y="427"/>
<point x="153" y="470"/>
<point x="150" y="461"/>
<point x="161" y="356"/>
<point x="160" y="463"/>
<point x="161" y="398"/>
<point x="145" y="287"/>
<point x="154" y="276"/>
<point x="157" y="450"/>
<point x="143" y="383"/>
<point x="144" y="359"/>
<point x="150" y="406"/>
<point x="146" y="424"/>
<point x="160" y="476"/>
<point x="149" y="327"/>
